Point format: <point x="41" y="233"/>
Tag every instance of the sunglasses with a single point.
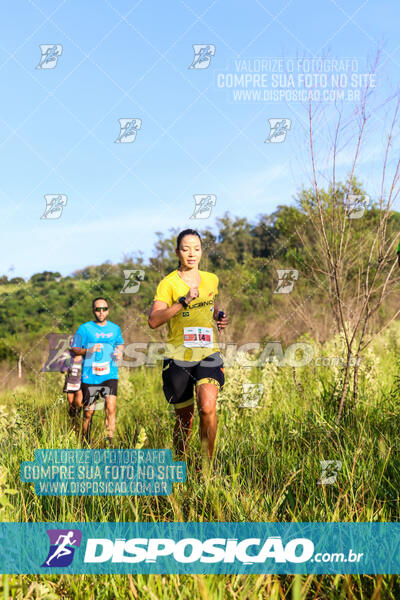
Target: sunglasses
<point x="101" y="309"/>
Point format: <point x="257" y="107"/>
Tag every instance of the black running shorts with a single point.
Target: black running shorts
<point x="73" y="379"/>
<point x="180" y="376"/>
<point x="92" y="392"/>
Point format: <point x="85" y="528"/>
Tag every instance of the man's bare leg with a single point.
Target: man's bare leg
<point x="111" y="412"/>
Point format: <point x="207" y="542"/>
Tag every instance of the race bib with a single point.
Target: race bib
<point x="198" y="337"/>
<point x="101" y="368"/>
<point x="73" y="387"/>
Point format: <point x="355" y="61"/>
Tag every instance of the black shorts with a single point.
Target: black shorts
<point x="180" y="376"/>
<point x="71" y="387"/>
<point x="73" y="378"/>
<point x="92" y="392"/>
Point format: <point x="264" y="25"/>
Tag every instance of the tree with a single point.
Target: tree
<point x="44" y="276"/>
<point x="348" y="247"/>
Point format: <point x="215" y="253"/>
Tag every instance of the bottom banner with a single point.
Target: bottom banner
<point x="200" y="548"/>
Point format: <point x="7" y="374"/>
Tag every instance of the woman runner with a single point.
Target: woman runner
<point x="185" y="299"/>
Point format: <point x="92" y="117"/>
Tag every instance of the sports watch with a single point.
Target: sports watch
<point x="182" y="300"/>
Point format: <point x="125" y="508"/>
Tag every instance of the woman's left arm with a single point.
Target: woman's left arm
<point x="222" y="323"/>
<point x="215" y="315"/>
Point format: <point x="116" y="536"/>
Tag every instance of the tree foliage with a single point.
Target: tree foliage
<point x="245" y="256"/>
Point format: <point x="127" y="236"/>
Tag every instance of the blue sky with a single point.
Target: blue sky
<point x="122" y="59"/>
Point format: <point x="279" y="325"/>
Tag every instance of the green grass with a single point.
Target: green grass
<point x="267" y="465"/>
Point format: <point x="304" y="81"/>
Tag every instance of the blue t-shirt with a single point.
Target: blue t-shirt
<point x="99" y="366"/>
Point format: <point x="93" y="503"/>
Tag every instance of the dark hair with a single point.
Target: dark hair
<point x="182" y="235"/>
<point x="100" y="298"/>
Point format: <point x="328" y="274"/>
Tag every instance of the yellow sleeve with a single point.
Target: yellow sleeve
<point x="164" y="292"/>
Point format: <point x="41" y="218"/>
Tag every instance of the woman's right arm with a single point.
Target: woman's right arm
<point x="160" y="313"/>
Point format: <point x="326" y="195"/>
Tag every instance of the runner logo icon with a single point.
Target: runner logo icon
<point x="63" y="543"/>
<point x="133" y="278"/>
<point x="203" y="205"/>
<point x="278" y="129"/>
<point x="54" y="206"/>
<point x="357" y="204"/>
<point x="287" y="277"/>
<point x="50" y="55"/>
<point x="128" y="130"/>
<point x="202" y="56"/>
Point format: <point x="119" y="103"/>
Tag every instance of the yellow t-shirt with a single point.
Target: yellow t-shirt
<point x="191" y="333"/>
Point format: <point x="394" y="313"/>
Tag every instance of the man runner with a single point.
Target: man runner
<point x="100" y="343"/>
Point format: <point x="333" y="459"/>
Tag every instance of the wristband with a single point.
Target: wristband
<point x="182" y="301"/>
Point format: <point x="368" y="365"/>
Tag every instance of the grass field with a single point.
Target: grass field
<point x="267" y="466"/>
